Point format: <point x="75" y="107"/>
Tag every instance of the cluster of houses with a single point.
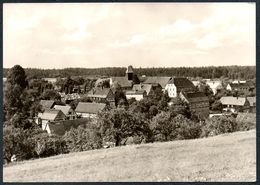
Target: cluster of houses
<point x="175" y="87"/>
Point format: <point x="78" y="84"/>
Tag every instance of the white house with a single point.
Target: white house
<point x="214" y="85"/>
<point x="49" y="115"/>
<point x="178" y="84"/>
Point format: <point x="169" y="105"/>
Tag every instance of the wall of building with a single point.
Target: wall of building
<point x="138" y="97"/>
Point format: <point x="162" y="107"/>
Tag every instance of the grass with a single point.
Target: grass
<point x="228" y="157"/>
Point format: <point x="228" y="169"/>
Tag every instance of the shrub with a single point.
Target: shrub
<point x="219" y="125"/>
<point x="81" y="139"/>
<point x="16" y="142"/>
<point x="168" y="128"/>
<point x="46" y="145"/>
<point x="185" y="128"/>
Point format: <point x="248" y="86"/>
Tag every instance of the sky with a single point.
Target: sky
<point x="92" y="35"/>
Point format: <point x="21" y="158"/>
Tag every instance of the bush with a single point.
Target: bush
<point x="219" y="125"/>
<point x="81" y="139"/>
<point x="185" y="128"/>
<point x="16" y="142"/>
<point x="46" y="145"/>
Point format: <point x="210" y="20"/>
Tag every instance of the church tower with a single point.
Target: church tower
<point x="129" y="73"/>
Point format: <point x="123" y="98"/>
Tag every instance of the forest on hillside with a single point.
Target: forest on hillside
<point x="231" y="72"/>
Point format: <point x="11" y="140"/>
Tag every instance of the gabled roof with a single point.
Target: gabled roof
<point x="92" y="108"/>
<point x="99" y="92"/>
<point x="122" y="81"/>
<point x="192" y="97"/>
<point x="47" y="104"/>
<point x="61" y="127"/>
<point x="252" y="101"/>
<point x="64" y="108"/>
<point x="162" y="81"/>
<point x="143" y="87"/>
<point x="50" y="114"/>
<point x="230" y="100"/>
<point x="180" y="82"/>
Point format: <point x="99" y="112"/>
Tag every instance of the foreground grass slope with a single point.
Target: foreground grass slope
<point x="228" y="157"/>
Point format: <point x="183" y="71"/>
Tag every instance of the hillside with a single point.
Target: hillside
<point x="228" y="157"/>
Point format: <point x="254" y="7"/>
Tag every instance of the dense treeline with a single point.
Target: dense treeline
<point x="232" y="72"/>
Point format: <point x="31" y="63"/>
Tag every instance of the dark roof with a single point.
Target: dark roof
<point x="195" y="97"/>
<point x="240" y="85"/>
<point x="122" y="81"/>
<point x="92" y="108"/>
<point x="181" y="82"/>
<point x="230" y="100"/>
<point x="47" y="103"/>
<point x="143" y="87"/>
<point x="99" y="92"/>
<point x="50" y="114"/>
<point x="129" y="69"/>
<point x="162" y="81"/>
<point x="61" y="127"/>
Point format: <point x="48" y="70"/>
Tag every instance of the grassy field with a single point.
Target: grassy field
<point x="228" y="157"/>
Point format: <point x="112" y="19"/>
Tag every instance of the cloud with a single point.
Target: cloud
<point x="115" y="34"/>
<point x="77" y="35"/>
<point x="134" y="40"/>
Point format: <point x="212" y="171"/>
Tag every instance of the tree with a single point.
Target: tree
<point x="82" y="139"/>
<point x="17" y="76"/>
<point x="219" y="125"/>
<point x="162" y="126"/>
<point x="217" y="106"/>
<point x="51" y="95"/>
<point x="14" y="90"/>
<point x="120" y="97"/>
<point x="117" y="125"/>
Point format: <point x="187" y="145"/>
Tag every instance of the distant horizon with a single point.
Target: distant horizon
<point x="126" y="67"/>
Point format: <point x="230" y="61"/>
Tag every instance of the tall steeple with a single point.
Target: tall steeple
<point x="129" y="72"/>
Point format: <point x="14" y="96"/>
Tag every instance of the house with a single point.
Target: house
<point x="178" y="84"/>
<point x="252" y="102"/>
<point x="67" y="98"/>
<point x="214" y="85"/>
<point x="136" y="94"/>
<point x="148" y="88"/>
<point x="67" y="110"/>
<point x="196" y="83"/>
<point x="198" y="102"/>
<point x="61" y="127"/>
<point x="235" y="104"/>
<point x="162" y="81"/>
<point x="49" y="115"/>
<point x="102" y="95"/>
<point x="246" y="87"/>
<point x="89" y="110"/>
<point x="47" y="104"/>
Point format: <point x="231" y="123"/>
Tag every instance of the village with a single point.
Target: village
<point x="57" y="117"/>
